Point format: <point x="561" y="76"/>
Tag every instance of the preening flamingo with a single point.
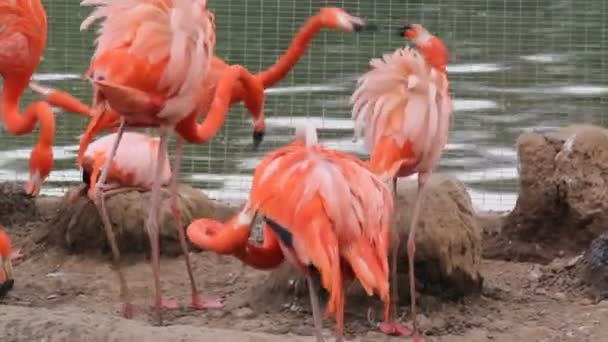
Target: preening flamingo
<point x="150" y="65"/>
<point x="22" y="40"/>
<point x="133" y="165"/>
<point x="402" y="109"/>
<point x="321" y="208"/>
<point x="331" y="18"/>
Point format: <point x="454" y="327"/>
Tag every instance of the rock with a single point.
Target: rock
<point x="563" y="195"/>
<point x="560" y="296"/>
<point x="78" y="227"/>
<point x="595" y="261"/>
<point x="424" y="323"/>
<point x="535" y="274"/>
<point x="243" y="313"/>
<point x="448" y="238"/>
<point x="439" y="323"/>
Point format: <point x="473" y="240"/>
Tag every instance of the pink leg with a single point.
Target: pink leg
<point x="411" y="246"/>
<point x="314" y="298"/>
<point x="390" y="325"/>
<point x="99" y="200"/>
<point x="197" y="302"/>
<point x="152" y="226"/>
<point x="316" y="311"/>
<point x="395" y="252"/>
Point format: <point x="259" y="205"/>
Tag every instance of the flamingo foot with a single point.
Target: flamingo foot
<point x="168" y="304"/>
<point x="395" y="329"/>
<point x="128" y="311"/>
<point x="417" y="338"/>
<point x="206" y="304"/>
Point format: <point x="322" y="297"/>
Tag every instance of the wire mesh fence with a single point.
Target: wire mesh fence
<point x="514" y="66"/>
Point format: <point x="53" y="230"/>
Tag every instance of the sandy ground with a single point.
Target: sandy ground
<point x="62" y="297"/>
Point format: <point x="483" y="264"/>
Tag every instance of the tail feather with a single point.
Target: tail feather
<point x="307" y="132"/>
<point x="368" y="267"/>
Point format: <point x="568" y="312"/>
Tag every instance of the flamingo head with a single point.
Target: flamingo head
<point x="6" y="266"/>
<point x="432" y="48"/>
<point x="228" y="238"/>
<point x="339" y="19"/>
<point x="41" y="163"/>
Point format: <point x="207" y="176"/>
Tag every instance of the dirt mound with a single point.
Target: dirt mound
<point x="448" y="238"/>
<point x="16" y="207"/>
<point x="77" y="225"/>
<point x="563" y="196"/>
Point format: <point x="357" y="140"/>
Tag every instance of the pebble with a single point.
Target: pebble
<point x="439" y="323"/>
<point x="559" y="296"/>
<point x="535" y="274"/>
<point x="424" y="322"/>
<point x="245" y="313"/>
<point x="500" y="325"/>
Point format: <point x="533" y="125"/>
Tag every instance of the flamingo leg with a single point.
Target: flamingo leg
<point x="312" y="291"/>
<point x="99" y="200"/>
<point x="152" y="226"/>
<point x="316" y="310"/>
<point x="197" y="302"/>
<point x="390" y="325"/>
<point x="411" y="247"/>
<point x="395" y="250"/>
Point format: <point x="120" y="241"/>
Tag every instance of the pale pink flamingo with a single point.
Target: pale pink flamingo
<point x="402" y="109"/>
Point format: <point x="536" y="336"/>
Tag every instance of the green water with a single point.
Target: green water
<point x="514" y="66"/>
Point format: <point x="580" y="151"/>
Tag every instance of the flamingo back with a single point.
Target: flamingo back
<point x="23" y="34"/>
<point x="403" y="99"/>
<point x="335" y="208"/>
<point x="175" y="39"/>
<point x="134" y="163"/>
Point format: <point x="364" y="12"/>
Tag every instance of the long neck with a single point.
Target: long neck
<point x="192" y="132"/>
<point x="296" y="50"/>
<point x="11" y="95"/>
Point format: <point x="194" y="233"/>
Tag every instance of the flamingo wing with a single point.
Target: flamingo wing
<point x="402" y="103"/>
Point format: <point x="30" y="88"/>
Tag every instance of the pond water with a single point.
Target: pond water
<point x="514" y="66"/>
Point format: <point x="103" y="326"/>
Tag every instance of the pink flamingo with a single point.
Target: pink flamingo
<point x="150" y="65"/>
<point x="402" y="109"/>
<point x="322" y="208"/>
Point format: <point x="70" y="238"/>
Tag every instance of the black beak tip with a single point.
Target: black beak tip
<point x="258" y="137"/>
<point x="402" y="30"/>
<point x="365" y="27"/>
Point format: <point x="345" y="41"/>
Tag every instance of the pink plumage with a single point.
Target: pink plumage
<point x="178" y="33"/>
<point x="403" y="110"/>
<point x="134" y="164"/>
<point x="404" y="99"/>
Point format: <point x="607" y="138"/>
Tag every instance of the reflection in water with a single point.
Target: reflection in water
<point x="509" y="71"/>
